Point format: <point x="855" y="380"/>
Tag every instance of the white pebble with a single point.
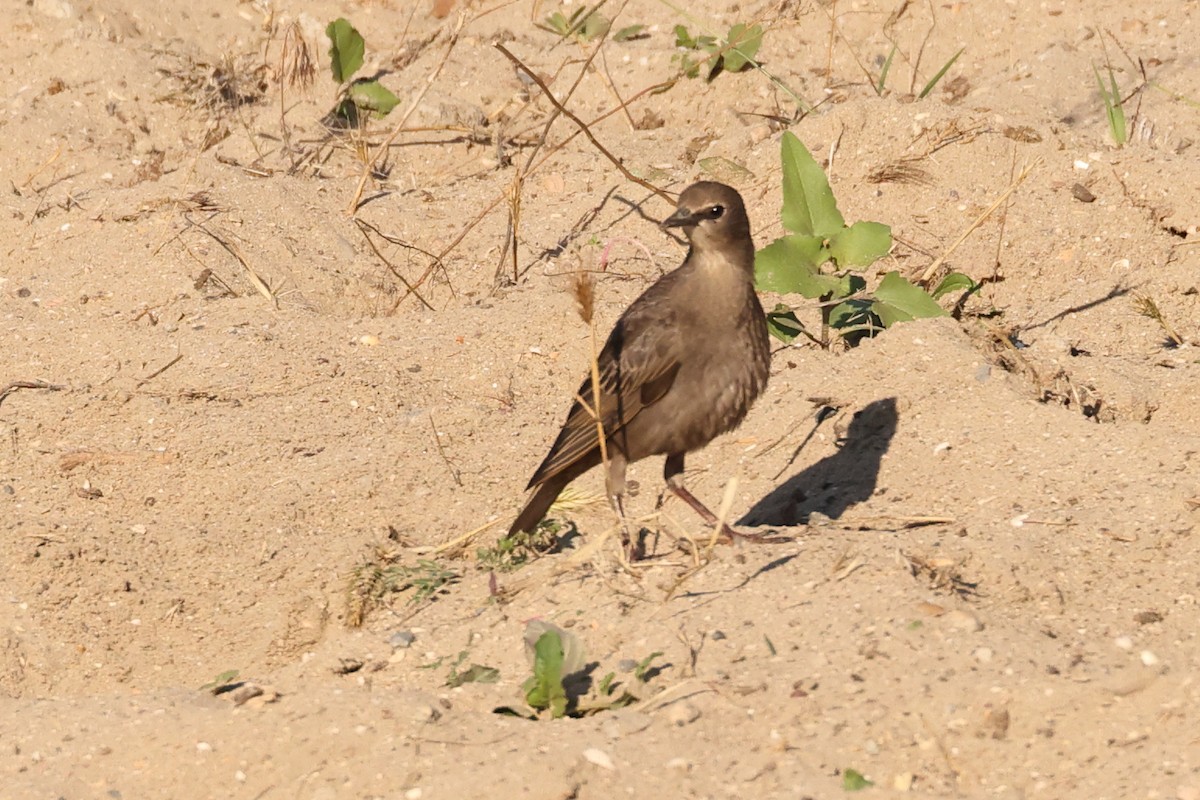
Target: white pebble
<point x="983" y="654"/>
<point x="1080" y="164"/>
<point x="940" y="448"/>
<point x="1123" y="642"/>
<point x="413" y="794"/>
<point x="598" y="757"/>
<point x="203" y="747"/>
<point x="1148" y="658"/>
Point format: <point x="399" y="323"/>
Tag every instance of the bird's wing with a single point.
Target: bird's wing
<point x="637" y="367"/>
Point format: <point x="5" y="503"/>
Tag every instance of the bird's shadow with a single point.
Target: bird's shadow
<point x="836" y="482"/>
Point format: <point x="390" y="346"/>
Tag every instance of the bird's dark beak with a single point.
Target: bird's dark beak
<point x="679" y="219"/>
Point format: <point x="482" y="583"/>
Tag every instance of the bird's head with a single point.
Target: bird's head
<point x="711" y="215"/>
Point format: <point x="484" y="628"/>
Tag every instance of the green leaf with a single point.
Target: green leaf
<point x="860" y="245"/>
<point x="629" y="32"/>
<point x="373" y="96"/>
<point x="744" y="43"/>
<point x="808" y="204"/>
<point x="783" y="324"/>
<point x="345" y="50"/>
<point x="595" y="25"/>
<point x="606" y="684"/>
<point x="853" y="780"/>
<point x="897" y="300"/>
<point x="643" y="666"/>
<point x="790" y="266"/>
<point x="683" y="38"/>
<point x="857" y="316"/>
<point x="544" y="689"/>
<point x="954" y="282"/>
<point x="476" y="673"/>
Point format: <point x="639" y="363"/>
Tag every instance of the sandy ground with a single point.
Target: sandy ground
<point x="990" y="583"/>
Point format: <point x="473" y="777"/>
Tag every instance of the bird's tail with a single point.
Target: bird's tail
<point x="535" y="510"/>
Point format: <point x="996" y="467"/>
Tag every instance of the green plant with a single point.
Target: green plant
<point x="515" y="550"/>
<point x="853" y="780"/>
<point x="586" y="24"/>
<point x="361" y="97"/>
<point x="735" y="54"/>
<point x="559" y="668"/>
<point x="933" y="82"/>
<point x="222" y="683"/>
<point x="1114" y="110"/>
<point x="823" y="259"/>
<point x="381" y="575"/>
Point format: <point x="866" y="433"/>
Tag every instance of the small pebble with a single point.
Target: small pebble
<point x="680" y="763"/>
<point x="903" y="782"/>
<point x="1148" y="658"/>
<point x="963" y="621"/>
<point x="1123" y="642"/>
<point x="203" y="747"/>
<point x="402" y="639"/>
<point x="413" y="793"/>
<point x="598" y="757"/>
<point x="717" y="636"/>
<point x="983" y="654"/>
<point x="871" y="747"/>
<point x="626" y="665"/>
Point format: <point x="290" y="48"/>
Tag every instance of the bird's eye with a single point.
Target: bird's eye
<point x="715" y="212"/>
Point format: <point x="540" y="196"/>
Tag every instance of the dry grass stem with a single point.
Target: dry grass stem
<point x="583" y="126"/>
<point x="15" y="385"/>
<point x="1146" y="306"/>
<point x="932" y="269"/>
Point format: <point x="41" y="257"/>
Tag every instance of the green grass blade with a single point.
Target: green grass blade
<point x="883" y="73"/>
<point x="934" y="80"/>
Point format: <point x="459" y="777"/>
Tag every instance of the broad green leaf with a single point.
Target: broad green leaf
<point x="544" y="689"/>
<point x="373" y="96"/>
<point x="596" y="25"/>
<point x="897" y="300"/>
<point x="683" y="38"/>
<point x="853" y="780"/>
<point x="744" y="43"/>
<point x="808" y="204"/>
<point x="953" y="282"/>
<point x="783" y="324"/>
<point x="345" y="49"/>
<point x="857" y="314"/>
<point x="790" y="266"/>
<point x="725" y="170"/>
<point x="860" y="245"/>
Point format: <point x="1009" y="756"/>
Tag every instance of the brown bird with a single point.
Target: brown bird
<point x="682" y="365"/>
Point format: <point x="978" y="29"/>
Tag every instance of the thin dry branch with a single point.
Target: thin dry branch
<point x="363" y="227"/>
<point x="583" y="126"/>
<point x="15" y="385"/>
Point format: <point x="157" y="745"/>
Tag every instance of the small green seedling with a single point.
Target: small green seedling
<point x="560" y="679"/>
<point x="588" y="24"/>
<point x="361" y="97"/>
<point x="823" y="258"/>
<point x="1114" y="111"/>
<point x="853" y="780"/>
<point x="933" y="82"/>
<point x="734" y="54"/>
<point x="222" y="683"/>
<point x="515" y="550"/>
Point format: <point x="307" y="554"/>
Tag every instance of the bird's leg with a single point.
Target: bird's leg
<point x="673" y="473"/>
<point x="615" y="484"/>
